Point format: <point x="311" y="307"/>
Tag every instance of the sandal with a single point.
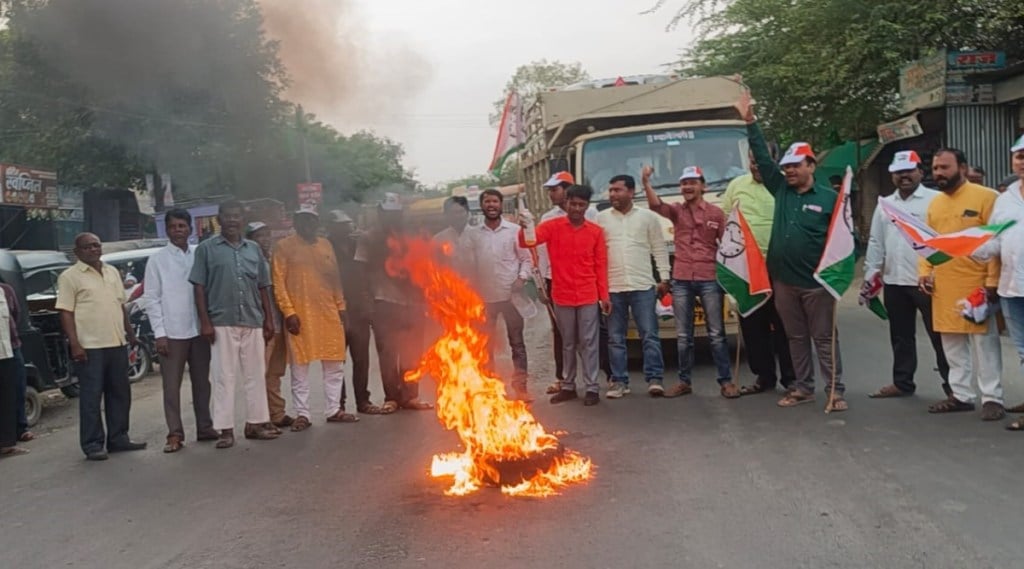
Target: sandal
<point x="730" y="391"/>
<point x="370" y="409"/>
<point x="1017" y="425"/>
<point x="951" y="405"/>
<point x="679" y="390"/>
<point x="388" y="407"/>
<point x="13" y="451"/>
<point x="755" y="388"/>
<point x="992" y="411"/>
<point x="837" y="405"/>
<point x="417" y="405"/>
<point x="888" y="392"/>
<point x="174" y="444"/>
<point x="553" y="388"/>
<point x="26" y="437"/>
<point x="794" y="398"/>
<point x="301" y="424"/>
<point x="1016" y="409"/>
<point x="342" y="417"/>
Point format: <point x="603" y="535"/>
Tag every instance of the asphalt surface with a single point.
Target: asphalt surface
<point x="697" y="482"/>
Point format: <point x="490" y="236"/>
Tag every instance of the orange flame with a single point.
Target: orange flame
<point x="470" y="400"/>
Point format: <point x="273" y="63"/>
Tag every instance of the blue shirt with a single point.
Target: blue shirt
<point x="232" y="277"/>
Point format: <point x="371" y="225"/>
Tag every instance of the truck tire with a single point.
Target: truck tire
<point x="33" y="406"/>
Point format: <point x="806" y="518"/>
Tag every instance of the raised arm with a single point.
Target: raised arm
<point x="773" y="178"/>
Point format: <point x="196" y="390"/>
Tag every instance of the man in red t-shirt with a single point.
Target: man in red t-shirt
<point x="579" y="274"/>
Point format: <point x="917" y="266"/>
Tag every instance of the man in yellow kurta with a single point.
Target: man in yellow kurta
<point x="961" y="205"/>
<point x="308" y="292"/>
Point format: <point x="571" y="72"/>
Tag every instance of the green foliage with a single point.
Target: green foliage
<point x="105" y="91"/>
<point x="826" y="70"/>
<point x="536" y="76"/>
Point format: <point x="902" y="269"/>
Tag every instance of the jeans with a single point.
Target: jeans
<point x="514" y="327"/>
<point x="580" y="327"/>
<point x="1013" y="311"/>
<point x="103" y="382"/>
<point x="903" y="303"/>
<point x="641" y="303"/>
<point x="712" y="298"/>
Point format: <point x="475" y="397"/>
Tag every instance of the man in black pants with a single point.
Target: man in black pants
<point x="891" y="258"/>
<point x="359" y="313"/>
<point x="90" y="298"/>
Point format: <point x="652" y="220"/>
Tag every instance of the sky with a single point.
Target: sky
<point x="466" y="51"/>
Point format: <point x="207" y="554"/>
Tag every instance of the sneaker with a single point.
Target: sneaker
<point x="562" y="396"/>
<point x="591" y="398"/>
<point x="656" y="390"/>
<point x="617" y="390"/>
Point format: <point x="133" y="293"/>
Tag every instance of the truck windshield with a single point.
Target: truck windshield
<point x="720" y="151"/>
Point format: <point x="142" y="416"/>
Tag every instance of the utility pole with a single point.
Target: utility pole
<point x="300" y="123"/>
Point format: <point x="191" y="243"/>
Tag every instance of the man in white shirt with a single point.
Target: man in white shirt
<point x="633" y="236"/>
<point x="556" y="187"/>
<point x="170" y="304"/>
<point x="890" y="255"/>
<point x="501" y="269"/>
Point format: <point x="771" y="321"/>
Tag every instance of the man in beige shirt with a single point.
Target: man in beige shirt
<point x="90" y="298"/>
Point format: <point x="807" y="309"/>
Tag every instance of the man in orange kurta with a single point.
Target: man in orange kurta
<point x="962" y="205"/>
<point x="308" y="292"/>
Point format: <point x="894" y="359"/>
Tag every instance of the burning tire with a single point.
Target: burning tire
<point x="515" y="471"/>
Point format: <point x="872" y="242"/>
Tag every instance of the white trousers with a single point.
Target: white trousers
<point x="961" y="352"/>
<point x="334" y="382"/>
<point x="238" y="352"/>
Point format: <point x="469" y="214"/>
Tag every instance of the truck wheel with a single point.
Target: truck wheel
<point x="33" y="406"/>
<point x="70" y="391"/>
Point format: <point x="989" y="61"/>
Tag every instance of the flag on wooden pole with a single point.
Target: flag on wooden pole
<point x="836" y="268"/>
<point x="511" y="133"/>
<point x="740" y="267"/>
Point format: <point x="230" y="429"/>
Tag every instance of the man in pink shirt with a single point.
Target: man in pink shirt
<point x="579" y="273"/>
<point x="699" y="226"/>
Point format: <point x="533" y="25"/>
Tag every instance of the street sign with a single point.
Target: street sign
<point x="310" y="194"/>
<point x="28" y="187"/>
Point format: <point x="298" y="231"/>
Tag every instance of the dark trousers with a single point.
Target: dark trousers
<point x="357" y="338"/>
<point x="764" y="338"/>
<point x="808" y="315"/>
<point x="398" y="334"/>
<point x="605" y="360"/>
<point x="103" y="379"/>
<point x="903" y="303"/>
<point x="196" y="353"/>
<point x="9" y="401"/>
<point x="22" y="376"/>
<point x="514" y="327"/>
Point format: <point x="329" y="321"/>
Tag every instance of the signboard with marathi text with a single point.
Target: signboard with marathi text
<point x="899" y="129"/>
<point x="923" y="83"/>
<point x="28" y="187"/>
<point x="960" y="64"/>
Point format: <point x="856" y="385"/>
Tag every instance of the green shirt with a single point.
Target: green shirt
<point x="756" y="204"/>
<point x="232" y="277"/>
<point x="801" y="220"/>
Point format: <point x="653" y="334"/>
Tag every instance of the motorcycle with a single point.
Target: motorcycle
<point x="143" y="354"/>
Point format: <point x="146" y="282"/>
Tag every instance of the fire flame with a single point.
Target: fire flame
<point x="470" y="400"/>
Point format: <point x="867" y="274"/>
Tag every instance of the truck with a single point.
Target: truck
<point x="598" y="129"/>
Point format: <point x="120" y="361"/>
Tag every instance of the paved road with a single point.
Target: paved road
<point x="700" y="482"/>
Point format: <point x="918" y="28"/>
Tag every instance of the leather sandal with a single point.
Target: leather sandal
<point x="301" y="424"/>
<point x="174" y="444"/>
<point x="342" y="417"/>
<point x="730" y="391"/>
<point x="226" y="439"/>
<point x="259" y="432"/>
<point x="951" y="405"/>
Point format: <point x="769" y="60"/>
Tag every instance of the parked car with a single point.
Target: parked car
<point x="33" y="275"/>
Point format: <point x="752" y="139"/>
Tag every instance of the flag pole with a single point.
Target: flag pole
<point x="832" y="390"/>
<point x="739" y="342"/>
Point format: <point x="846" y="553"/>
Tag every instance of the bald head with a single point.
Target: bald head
<point x="88" y="248"/>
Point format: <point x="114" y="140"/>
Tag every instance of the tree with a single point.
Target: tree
<point x="537" y="76"/>
<point x="825" y="70"/>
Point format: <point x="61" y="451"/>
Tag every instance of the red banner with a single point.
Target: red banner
<point x="310" y="194"/>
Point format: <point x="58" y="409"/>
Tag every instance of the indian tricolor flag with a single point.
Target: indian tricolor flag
<point x="511" y="133"/>
<point x="741" y="269"/>
<point x="836" y="268"/>
<point x="915" y="232"/>
<point x="938" y="249"/>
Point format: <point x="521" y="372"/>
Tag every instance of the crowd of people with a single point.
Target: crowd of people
<point x="240" y="309"/>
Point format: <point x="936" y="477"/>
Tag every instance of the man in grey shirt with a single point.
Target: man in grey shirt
<point x="232" y="283"/>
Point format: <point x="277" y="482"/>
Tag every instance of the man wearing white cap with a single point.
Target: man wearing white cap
<point x="307" y="287"/>
<point x="1009" y="246"/>
<point x="803" y="212"/>
<point x="891" y="257"/>
<point x="698" y="228"/>
<point x="556" y="186"/>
